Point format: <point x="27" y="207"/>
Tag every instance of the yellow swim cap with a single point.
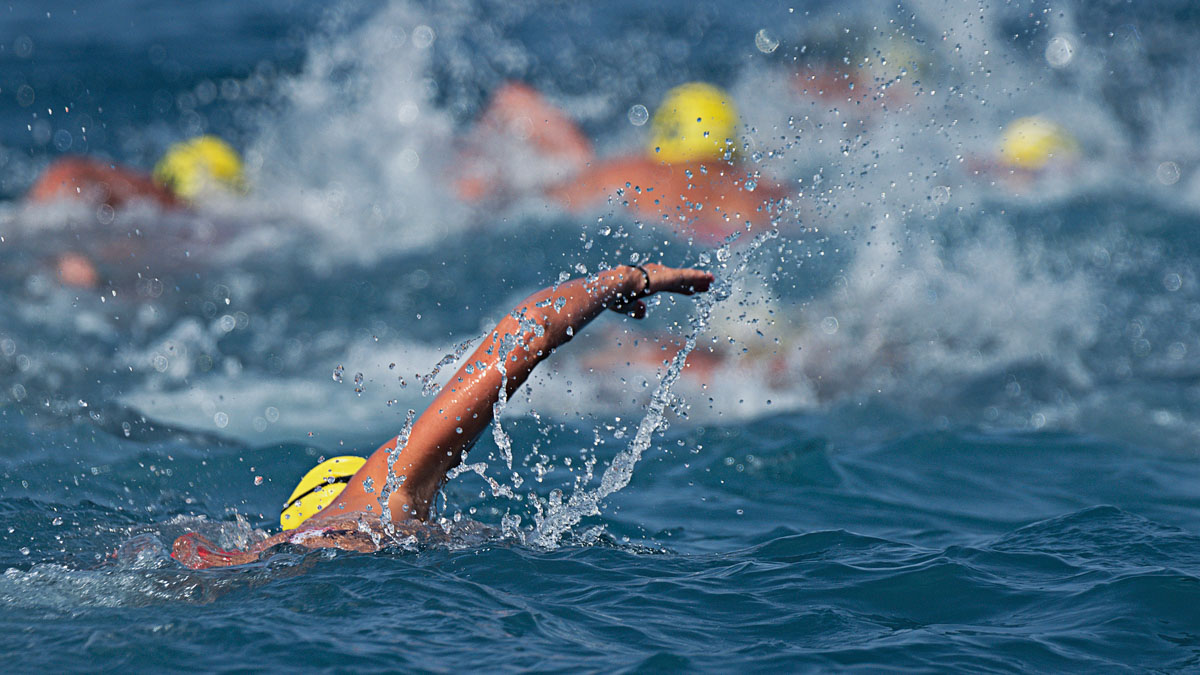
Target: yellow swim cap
<point x="696" y="121"/>
<point x="1031" y="142"/>
<point x="195" y="166"/>
<point x="319" y="487"/>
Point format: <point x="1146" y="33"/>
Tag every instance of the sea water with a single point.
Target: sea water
<point x="936" y="416"/>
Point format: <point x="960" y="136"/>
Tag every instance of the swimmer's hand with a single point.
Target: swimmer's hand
<point x="662" y="279"/>
<point x="198" y="553"/>
<point x="195" y="551"/>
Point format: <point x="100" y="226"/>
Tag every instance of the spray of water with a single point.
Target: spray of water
<point x="394" y="481"/>
<point x="554" y="518"/>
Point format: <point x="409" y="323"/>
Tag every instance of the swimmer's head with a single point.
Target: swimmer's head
<point x="318" y="489"/>
<point x="1032" y="142"/>
<point x="695" y="122"/>
<point x="199" y="165"/>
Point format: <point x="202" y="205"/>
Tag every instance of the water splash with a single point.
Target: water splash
<point x="526" y="326"/>
<point x="554" y="518"/>
<point x="394" y="481"/>
<point x="429" y="385"/>
<point x="480" y="468"/>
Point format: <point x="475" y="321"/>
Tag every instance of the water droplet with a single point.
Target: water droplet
<point x="1167" y="173"/>
<point x="105" y="214"/>
<point x="23" y="46"/>
<point x="423" y="37"/>
<point x="337" y="373"/>
<point x="221" y="420"/>
<point x="408" y="160"/>
<point x="765" y="42"/>
<point x="1176" y="351"/>
<point x="829" y="325"/>
<point x="638" y="115"/>
<point x="63" y="140"/>
<point x="258" y="480"/>
<point x="1060" y="51"/>
<point x="25" y="96"/>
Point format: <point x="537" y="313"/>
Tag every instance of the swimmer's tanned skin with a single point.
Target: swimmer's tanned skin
<point x="462" y="410"/>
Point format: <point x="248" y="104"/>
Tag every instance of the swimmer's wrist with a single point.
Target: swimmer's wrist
<point x="646" y="282"/>
<point x="641" y="283"/>
<point x="625" y="296"/>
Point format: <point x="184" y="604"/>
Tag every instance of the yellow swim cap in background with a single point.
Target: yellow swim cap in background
<point x="195" y="166"/>
<point x="318" y="489"/>
<point x="696" y="121"/>
<point x="1031" y="142"/>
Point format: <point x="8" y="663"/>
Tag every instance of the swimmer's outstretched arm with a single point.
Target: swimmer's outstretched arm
<point x="463" y="409"/>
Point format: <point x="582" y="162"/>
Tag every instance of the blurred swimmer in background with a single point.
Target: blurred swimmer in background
<point x="364" y="505"/>
<point x="689" y="178"/>
<point x="1035" y="144"/>
<point x="887" y="72"/>
<point x="189" y="172"/>
<point x="1027" y="150"/>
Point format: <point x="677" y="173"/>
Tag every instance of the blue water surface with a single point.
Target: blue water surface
<point x="951" y="423"/>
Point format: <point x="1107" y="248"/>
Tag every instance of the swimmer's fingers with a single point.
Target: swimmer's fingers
<point x="634" y="308"/>
<point x="194" y="551"/>
<point x="685" y="281"/>
<point x="187" y="550"/>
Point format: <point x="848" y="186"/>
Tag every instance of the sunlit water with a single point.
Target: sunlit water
<point x="947" y="417"/>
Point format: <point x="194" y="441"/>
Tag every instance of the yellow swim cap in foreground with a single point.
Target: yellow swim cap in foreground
<point x="318" y="489"/>
<point x="198" y="165"/>
<point x="1031" y="142"/>
<point x="696" y="121"/>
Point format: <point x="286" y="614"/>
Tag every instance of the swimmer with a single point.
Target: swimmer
<point x="689" y="177"/>
<point x="1031" y="144"/>
<point x="188" y="171"/>
<point x="1029" y="149"/>
<point x="98" y="182"/>
<point x="886" y="73"/>
<point x="351" y="518"/>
